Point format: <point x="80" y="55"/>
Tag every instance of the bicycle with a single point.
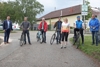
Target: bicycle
<point x="22" y="42"/>
<point x="53" y="38"/>
<point x="76" y="40"/>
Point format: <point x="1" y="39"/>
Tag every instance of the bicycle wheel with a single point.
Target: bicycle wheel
<point x="74" y="40"/>
<point x="78" y="42"/>
<point x="22" y="40"/>
<point x="37" y="37"/>
<point x="52" y="39"/>
<point x="99" y="38"/>
<point x="41" y="38"/>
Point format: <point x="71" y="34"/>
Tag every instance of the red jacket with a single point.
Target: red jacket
<point x="45" y="26"/>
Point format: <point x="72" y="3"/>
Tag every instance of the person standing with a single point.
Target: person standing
<point x="94" y="28"/>
<point x="7" y="27"/>
<point x="25" y="25"/>
<point x="65" y="30"/>
<point x="43" y="27"/>
<point x="79" y="26"/>
<point x="58" y="29"/>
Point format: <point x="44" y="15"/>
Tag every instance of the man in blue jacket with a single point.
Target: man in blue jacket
<point x="94" y="28"/>
<point x="58" y="29"/>
<point x="7" y="27"/>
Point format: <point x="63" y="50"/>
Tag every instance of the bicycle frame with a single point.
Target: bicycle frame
<point x="53" y="38"/>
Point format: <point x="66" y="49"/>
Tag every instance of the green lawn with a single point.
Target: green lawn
<point x="89" y="49"/>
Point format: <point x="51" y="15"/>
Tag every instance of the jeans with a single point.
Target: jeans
<point x="95" y="37"/>
<point x="81" y="32"/>
<point x="58" y="36"/>
<point x="6" y="35"/>
<point x="43" y="36"/>
<point x="28" y="36"/>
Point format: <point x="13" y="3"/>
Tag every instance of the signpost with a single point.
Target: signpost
<point x="84" y="9"/>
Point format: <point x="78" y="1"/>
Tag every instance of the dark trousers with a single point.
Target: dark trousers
<point x="81" y="32"/>
<point x="65" y="36"/>
<point x="28" y="36"/>
<point x="95" y="37"/>
<point x="43" y="36"/>
<point x="58" y="36"/>
<point x="6" y="35"/>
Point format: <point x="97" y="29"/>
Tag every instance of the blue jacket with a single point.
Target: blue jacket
<point x="94" y="24"/>
<point x="79" y="24"/>
<point x="5" y="25"/>
<point x="58" y="25"/>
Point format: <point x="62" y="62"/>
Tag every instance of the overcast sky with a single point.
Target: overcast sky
<point x="49" y="5"/>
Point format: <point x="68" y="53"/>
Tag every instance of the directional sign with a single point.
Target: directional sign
<point x="84" y="13"/>
<point x="84" y="9"/>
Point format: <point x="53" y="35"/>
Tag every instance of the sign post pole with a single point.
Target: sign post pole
<point x="84" y="12"/>
<point x="84" y="15"/>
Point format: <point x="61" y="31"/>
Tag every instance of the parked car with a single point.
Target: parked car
<point x="1" y="26"/>
<point x="15" y="27"/>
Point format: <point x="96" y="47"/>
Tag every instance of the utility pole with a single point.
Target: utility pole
<point x="84" y="15"/>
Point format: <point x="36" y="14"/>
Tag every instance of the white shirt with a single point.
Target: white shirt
<point x="65" y="27"/>
<point x="42" y="25"/>
<point x="65" y="24"/>
<point x="8" y="23"/>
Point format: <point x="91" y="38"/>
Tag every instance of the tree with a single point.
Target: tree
<point x="6" y="9"/>
<point x="19" y="9"/>
<point x="30" y="8"/>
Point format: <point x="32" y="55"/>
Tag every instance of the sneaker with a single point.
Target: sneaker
<point x="30" y="44"/>
<point x="24" y="43"/>
<point x="65" y="47"/>
<point x="5" y="42"/>
<point x="92" y="44"/>
<point x="45" y="42"/>
<point x="61" y="47"/>
<point x="41" y="42"/>
<point x="59" y="42"/>
<point x="96" y="44"/>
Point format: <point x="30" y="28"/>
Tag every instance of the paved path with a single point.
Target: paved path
<point x="42" y="55"/>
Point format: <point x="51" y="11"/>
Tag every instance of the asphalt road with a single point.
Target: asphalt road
<point x="41" y="55"/>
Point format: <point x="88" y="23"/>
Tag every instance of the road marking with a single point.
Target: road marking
<point x="2" y="44"/>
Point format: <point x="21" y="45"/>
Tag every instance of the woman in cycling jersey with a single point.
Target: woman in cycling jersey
<point x="65" y="32"/>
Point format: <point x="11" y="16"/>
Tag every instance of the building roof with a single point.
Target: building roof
<point x="95" y="12"/>
<point x="63" y="12"/>
<point x="74" y="10"/>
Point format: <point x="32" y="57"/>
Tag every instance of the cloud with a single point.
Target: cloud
<point x="48" y="3"/>
<point x="49" y="6"/>
<point x="95" y="3"/>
